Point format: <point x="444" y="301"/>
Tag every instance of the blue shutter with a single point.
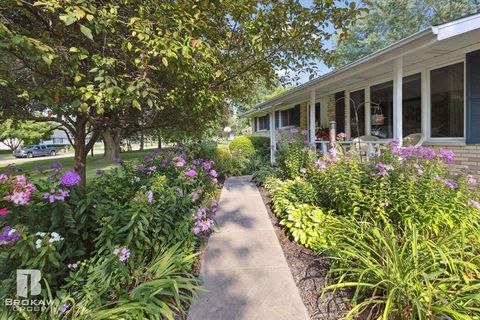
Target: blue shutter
<point x="473" y="97"/>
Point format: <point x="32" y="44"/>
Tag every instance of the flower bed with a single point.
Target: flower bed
<point x="124" y="247"/>
<point x="402" y="232"/>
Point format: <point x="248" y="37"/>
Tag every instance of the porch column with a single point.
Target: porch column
<point x="311" y="125"/>
<point x="397" y="99"/>
<point x="273" y="137"/>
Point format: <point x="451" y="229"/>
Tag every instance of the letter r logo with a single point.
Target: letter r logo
<point x="22" y="282"/>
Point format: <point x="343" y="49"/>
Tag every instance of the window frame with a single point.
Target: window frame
<point x="428" y="105"/>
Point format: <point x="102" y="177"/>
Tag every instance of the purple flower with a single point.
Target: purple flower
<point x="118" y="160"/>
<point x="384" y="168"/>
<point x="451" y="184"/>
<point x="65" y="307"/>
<point x="164" y="163"/>
<point x="207" y="165"/>
<point x="446" y="156"/>
<point x="9" y="235"/>
<point x="304" y="132"/>
<point x="196" y="231"/>
<point x="320" y="165"/>
<point x="140" y="168"/>
<point x="213" y="173"/>
<point x="419" y="168"/>
<point x="294" y="130"/>
<point x="426" y="153"/>
<point x="474" y="204"/>
<point x="122" y="253"/>
<point x="191" y="173"/>
<point x="472" y="181"/>
<point x="150" y="197"/>
<point x="180" y="162"/>
<point x="70" y="179"/>
<point x="100" y="172"/>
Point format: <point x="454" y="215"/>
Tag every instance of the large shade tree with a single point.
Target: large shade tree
<point x="389" y="21"/>
<point x="79" y="62"/>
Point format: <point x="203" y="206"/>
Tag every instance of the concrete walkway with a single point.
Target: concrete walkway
<point x="244" y="272"/>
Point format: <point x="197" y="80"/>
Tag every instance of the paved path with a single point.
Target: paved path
<point x="244" y="272"/>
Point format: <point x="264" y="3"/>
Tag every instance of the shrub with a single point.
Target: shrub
<point x="108" y="250"/>
<point x="294" y="154"/>
<point x="242" y="147"/>
<point x="401" y="230"/>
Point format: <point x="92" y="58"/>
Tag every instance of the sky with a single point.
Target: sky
<point x="322" y="68"/>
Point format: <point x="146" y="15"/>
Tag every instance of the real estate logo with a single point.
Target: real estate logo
<point x="28" y="286"/>
<point x="23" y="277"/>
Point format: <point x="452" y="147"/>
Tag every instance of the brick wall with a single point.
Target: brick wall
<point x="330" y="108"/>
<point x="467" y="157"/>
<point x="303" y="116"/>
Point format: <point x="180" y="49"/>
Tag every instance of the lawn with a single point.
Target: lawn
<point x="93" y="163"/>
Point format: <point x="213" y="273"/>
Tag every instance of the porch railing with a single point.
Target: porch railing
<point x="366" y="148"/>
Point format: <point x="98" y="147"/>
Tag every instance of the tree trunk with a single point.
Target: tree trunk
<point x="80" y="146"/>
<point x="142" y="141"/>
<point x="111" y="142"/>
<point x="159" y="142"/>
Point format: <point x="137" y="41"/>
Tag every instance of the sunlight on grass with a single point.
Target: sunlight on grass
<point x="93" y="163"/>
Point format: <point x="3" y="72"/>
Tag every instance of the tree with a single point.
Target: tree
<point x="81" y="63"/>
<point x="389" y="21"/>
<point x="15" y="133"/>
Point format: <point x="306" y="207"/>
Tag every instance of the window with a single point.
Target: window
<point x="447" y="102"/>
<point x="291" y="117"/>
<point x="264" y="122"/>
<point x="277" y="119"/>
<point x="318" y="115"/>
<point x="381" y="110"/>
<point x="412" y="104"/>
<point x="357" y="111"/>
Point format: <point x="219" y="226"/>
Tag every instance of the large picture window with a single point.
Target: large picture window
<point x="291" y="117"/>
<point x="447" y="101"/>
<point x="381" y="110"/>
<point x="412" y="104"/>
<point x="357" y="111"/>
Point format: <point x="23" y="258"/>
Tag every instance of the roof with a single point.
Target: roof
<point x="426" y="37"/>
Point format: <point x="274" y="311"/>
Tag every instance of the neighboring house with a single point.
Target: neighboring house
<point x="58" y="137"/>
<point x="427" y="83"/>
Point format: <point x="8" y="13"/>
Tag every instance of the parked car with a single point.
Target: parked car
<point x="36" y="151"/>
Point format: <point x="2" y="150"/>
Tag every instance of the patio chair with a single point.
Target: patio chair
<point x="359" y="144"/>
<point x="414" y="139"/>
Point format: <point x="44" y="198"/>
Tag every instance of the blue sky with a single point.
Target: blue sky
<point x="322" y="68"/>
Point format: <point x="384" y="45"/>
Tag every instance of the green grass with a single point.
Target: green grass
<point x="93" y="163"/>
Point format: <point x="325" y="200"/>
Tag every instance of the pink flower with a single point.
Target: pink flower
<point x="213" y="173"/>
<point x="3" y="212"/>
<point x="474" y="204"/>
<point x="150" y="197"/>
<point x="191" y="173"/>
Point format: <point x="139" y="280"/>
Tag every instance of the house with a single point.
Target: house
<point x="428" y="83"/>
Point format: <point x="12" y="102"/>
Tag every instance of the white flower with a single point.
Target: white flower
<point x="40" y="234"/>
<point x="55" y="235"/>
<point x="137" y="179"/>
<point x="38" y="243"/>
<point x="11" y="232"/>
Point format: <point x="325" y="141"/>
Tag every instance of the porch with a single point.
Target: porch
<point x="426" y="84"/>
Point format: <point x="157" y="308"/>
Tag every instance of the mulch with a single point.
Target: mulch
<point x="309" y="271"/>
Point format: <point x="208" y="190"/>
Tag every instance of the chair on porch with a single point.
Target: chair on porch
<point x="361" y="144"/>
<point x="414" y="139"/>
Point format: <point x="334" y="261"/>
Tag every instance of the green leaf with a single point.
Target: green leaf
<point x="86" y="32"/>
<point x="68" y="19"/>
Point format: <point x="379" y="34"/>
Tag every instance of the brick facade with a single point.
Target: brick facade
<point x="303" y="116"/>
<point x="467" y="157"/>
